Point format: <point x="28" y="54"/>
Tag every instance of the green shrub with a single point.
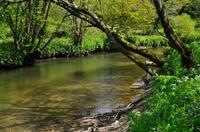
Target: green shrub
<point x="9" y="56"/>
<point x="170" y="108"/>
<point x="184" y="24"/>
<point x="173" y="65"/>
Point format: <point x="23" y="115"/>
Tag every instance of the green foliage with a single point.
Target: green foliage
<point x="193" y="10"/>
<point x="174" y="106"/>
<point x="9" y="56"/>
<point x="92" y="43"/>
<point x="174" y="7"/>
<point x="173" y="65"/>
<point x="155" y="40"/>
<point x="188" y="39"/>
<point x="5" y="32"/>
<point x="64" y="47"/>
<point x="195" y="46"/>
<point x="149" y="41"/>
<point x="126" y="15"/>
<point x="58" y="47"/>
<point x="184" y="24"/>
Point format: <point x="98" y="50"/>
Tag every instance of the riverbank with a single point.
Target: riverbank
<point x="11" y="58"/>
<point x="174" y="106"/>
<point x="56" y="56"/>
<point x="117" y="119"/>
<point x="61" y="91"/>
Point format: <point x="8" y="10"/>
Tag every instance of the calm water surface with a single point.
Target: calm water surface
<point x="63" y="90"/>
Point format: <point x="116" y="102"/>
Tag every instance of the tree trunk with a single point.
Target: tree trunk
<point x="175" y="42"/>
<point x="77" y="27"/>
<point x="77" y="31"/>
<point x="30" y="58"/>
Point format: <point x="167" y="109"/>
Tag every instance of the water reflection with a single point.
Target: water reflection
<point x="61" y="91"/>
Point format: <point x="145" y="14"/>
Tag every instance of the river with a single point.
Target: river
<point x="63" y="90"/>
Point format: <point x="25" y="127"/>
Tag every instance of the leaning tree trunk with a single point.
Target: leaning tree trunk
<point x="175" y="42"/>
<point x="93" y="19"/>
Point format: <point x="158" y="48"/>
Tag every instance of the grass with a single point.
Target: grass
<point x="64" y="47"/>
<point x="156" y="40"/>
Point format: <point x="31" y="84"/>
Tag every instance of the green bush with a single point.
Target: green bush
<point x="184" y="24"/>
<point x="173" y="65"/>
<point x="9" y="56"/>
<point x="174" y="106"/>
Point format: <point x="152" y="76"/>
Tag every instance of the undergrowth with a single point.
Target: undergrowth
<point x="175" y="104"/>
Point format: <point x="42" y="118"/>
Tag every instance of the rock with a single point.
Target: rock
<point x="90" y="129"/>
<point x="116" y="124"/>
<point x="147" y="78"/>
<point x="138" y="84"/>
<point x="90" y="122"/>
<point x="149" y="62"/>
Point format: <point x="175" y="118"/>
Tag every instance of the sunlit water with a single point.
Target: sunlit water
<point x="63" y="90"/>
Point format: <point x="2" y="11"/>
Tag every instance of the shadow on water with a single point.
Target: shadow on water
<point x="58" y="92"/>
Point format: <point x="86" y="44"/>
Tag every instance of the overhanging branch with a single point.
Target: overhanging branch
<point x="93" y="19"/>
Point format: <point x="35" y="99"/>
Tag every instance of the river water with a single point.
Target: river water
<point x="63" y="90"/>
